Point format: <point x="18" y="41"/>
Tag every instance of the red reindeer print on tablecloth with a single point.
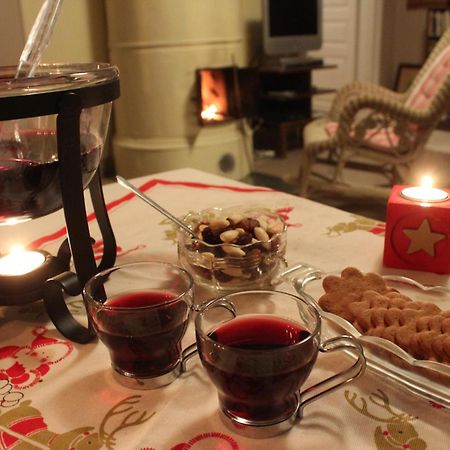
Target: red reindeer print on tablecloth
<point x="284" y="213"/>
<point x="25" y="428"/>
<point x="24" y="366"/>
<point x="208" y="440"/>
<point x="98" y="247"/>
<point x="396" y="433"/>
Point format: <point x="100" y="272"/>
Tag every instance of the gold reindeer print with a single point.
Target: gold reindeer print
<point x="24" y="427"/>
<point x="171" y="232"/>
<point x="358" y="223"/>
<point x="396" y="431"/>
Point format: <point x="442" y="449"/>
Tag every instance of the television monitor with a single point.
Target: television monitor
<point x="291" y="28"/>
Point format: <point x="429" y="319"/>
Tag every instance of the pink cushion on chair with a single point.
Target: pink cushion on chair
<point x="433" y="79"/>
<point x="383" y="139"/>
<point x="419" y="99"/>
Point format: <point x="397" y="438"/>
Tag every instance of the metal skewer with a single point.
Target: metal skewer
<point x="126" y="184"/>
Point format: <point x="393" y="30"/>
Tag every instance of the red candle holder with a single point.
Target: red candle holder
<point x="417" y="232"/>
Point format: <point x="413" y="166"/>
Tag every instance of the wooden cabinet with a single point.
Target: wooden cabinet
<point x="285" y="95"/>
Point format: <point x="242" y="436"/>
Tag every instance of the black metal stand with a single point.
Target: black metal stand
<point x="68" y="137"/>
<point x="69" y="283"/>
<point x="68" y="106"/>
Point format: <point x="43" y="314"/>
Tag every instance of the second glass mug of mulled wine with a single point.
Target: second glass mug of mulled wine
<point x="140" y="312"/>
<point x="258" y="348"/>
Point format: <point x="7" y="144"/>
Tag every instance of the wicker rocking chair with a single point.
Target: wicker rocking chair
<point x="373" y="128"/>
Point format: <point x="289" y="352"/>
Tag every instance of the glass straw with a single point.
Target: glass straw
<point x="38" y="38"/>
<point x="30" y="58"/>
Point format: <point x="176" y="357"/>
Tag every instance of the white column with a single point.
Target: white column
<point x="158" y="45"/>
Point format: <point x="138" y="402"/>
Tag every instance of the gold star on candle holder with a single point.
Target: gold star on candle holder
<point x="423" y="238"/>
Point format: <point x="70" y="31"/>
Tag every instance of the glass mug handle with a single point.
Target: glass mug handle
<point x="187" y="354"/>
<point x="330" y="384"/>
<point x="192" y="349"/>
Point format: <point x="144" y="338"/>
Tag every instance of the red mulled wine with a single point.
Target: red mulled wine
<point x="265" y="362"/>
<point x="29" y="173"/>
<point x="143" y="332"/>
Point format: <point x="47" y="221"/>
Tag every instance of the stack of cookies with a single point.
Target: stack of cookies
<point x="420" y="328"/>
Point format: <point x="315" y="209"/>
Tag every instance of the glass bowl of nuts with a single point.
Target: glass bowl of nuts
<point x="236" y="248"/>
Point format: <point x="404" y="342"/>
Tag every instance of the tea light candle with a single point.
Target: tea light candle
<point x="425" y="192"/>
<point x="20" y="261"/>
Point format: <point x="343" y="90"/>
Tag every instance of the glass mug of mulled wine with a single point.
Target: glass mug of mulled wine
<point x="258" y="348"/>
<point x="140" y="312"/>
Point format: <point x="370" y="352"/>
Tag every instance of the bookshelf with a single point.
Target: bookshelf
<point x="416" y="4"/>
<point x="438" y="20"/>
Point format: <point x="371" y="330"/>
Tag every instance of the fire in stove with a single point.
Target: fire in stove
<point x="211" y="113"/>
<point x="220" y="93"/>
<point x="213" y="88"/>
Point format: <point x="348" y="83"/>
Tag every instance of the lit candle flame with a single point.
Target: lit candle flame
<point x="425" y="193"/>
<point x="20" y="261"/>
<point x="16" y="250"/>
<point x="427" y="182"/>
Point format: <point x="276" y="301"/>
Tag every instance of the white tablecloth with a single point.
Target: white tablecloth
<point x="57" y="394"/>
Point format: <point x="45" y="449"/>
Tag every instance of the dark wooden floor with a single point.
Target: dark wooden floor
<point x="279" y="173"/>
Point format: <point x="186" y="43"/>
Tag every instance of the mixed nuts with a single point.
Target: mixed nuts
<point x="234" y="248"/>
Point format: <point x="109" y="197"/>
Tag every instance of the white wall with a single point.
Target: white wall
<point x="403" y="38"/>
<point x="11" y="32"/>
<point x="252" y="13"/>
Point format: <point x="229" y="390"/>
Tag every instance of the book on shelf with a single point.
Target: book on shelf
<point x="438" y="22"/>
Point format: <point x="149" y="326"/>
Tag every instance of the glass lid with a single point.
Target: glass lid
<point x="56" y="77"/>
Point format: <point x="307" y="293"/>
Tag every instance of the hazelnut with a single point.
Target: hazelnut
<point x="210" y="237"/>
<point x="244" y="239"/>
<point x="248" y="224"/>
